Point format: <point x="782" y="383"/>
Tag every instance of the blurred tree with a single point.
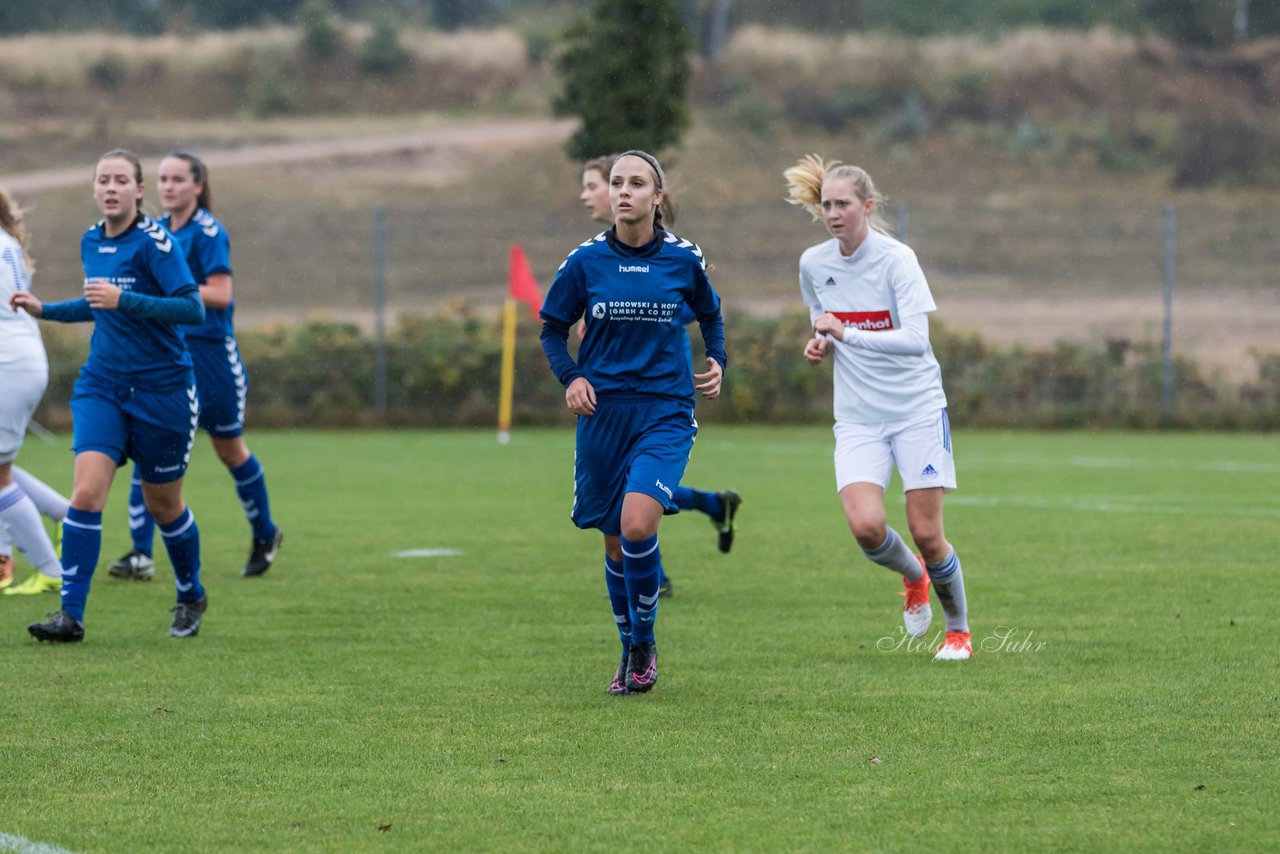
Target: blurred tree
<point x="625" y="72"/>
<point x="382" y="52"/>
<point x="320" y="35"/>
<point x="1193" y="22"/>
<point x="457" y="14"/>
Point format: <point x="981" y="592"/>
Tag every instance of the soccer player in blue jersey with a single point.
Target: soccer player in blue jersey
<point x="135" y="396"/>
<point x="221" y="378"/>
<point x="721" y="507"/>
<point x="632" y="388"/>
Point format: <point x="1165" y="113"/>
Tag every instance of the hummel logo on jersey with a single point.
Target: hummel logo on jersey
<point x="106" y="250"/>
<point x="634" y="268"/>
<point x="929" y="471"/>
<point x="598" y="311"/>
<point x="156" y="233"/>
<point x="666" y="489"/>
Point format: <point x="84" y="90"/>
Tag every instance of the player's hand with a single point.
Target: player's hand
<point x="580" y="397"/>
<point x="582" y="328"/>
<point x="829" y="324"/>
<point x="26" y="301"/>
<point x="102" y="294"/>
<point x="816" y="349"/>
<point x="709" y="383"/>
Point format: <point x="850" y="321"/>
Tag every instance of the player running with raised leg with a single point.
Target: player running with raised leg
<point x="870" y="303"/>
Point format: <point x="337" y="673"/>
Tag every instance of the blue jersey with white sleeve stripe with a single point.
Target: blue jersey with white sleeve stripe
<point x="207" y="248"/>
<point x="126" y="348"/>
<point x="632" y="299"/>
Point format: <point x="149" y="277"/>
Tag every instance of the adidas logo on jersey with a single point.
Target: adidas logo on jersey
<point x="829" y="283"/>
<point x="929" y="471"/>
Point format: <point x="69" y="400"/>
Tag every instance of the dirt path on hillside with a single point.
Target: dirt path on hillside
<point x="511" y="133"/>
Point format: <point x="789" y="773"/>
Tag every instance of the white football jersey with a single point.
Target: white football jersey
<point x="872" y="290"/>
<point x="20" y="346"/>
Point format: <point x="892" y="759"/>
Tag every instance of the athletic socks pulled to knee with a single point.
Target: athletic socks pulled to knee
<point x="687" y="498"/>
<point x="19" y="515"/>
<point x="616" y="583"/>
<point x="251" y="486"/>
<point x="642" y="569"/>
<point x="182" y="542"/>
<point x="142" y="527"/>
<point x="948" y="583"/>
<point x="81" y="543"/>
<point x="895" y="554"/>
<point x="50" y="502"/>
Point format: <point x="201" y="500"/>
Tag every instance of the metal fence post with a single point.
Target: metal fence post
<point x="379" y="311"/>
<point x="1170" y="236"/>
<point x="901" y="219"/>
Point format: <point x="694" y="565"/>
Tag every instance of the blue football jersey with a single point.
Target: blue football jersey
<point x="127" y="349"/>
<point x="633" y="300"/>
<point x="207" y="248"/>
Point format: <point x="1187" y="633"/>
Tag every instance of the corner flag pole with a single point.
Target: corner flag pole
<point x="508" y="381"/>
<point x="521" y="287"/>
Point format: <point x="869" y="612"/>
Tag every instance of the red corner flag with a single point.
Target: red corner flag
<point x="521" y="284"/>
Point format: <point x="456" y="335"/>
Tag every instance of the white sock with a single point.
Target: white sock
<point x="894" y="554"/>
<point x="948" y="583"/>
<point x="19" y="514"/>
<point x="48" y="500"/>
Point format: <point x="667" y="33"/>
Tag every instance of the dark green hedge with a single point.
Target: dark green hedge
<point x="442" y="371"/>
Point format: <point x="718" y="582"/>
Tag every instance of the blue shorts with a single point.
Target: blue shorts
<point x="223" y="383"/>
<point x="153" y="428"/>
<point x="636" y="444"/>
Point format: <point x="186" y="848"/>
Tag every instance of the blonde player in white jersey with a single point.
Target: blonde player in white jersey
<point x="870" y="304"/>
<point x="24" y="373"/>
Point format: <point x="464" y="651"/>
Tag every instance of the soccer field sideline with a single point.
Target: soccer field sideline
<point x="460" y="700"/>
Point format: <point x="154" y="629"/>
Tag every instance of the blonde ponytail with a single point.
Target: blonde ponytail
<point x="11" y="221"/>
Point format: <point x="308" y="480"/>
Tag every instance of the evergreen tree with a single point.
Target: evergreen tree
<point x="625" y="72"/>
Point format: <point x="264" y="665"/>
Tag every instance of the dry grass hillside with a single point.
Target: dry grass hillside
<point x="1023" y="243"/>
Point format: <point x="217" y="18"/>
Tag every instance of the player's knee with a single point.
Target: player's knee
<point x="164" y="508"/>
<point x="870" y="533"/>
<point x="638" y="527"/>
<point x="931" y="544"/>
<point x="232" y="453"/>
<point x="88" y="499"/>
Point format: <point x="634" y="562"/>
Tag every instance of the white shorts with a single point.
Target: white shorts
<point x="20" y="393"/>
<point x="865" y="453"/>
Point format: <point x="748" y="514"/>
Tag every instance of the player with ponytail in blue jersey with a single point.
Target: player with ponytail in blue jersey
<point x="135" y="396"/>
<point x="632" y="388"/>
<point x="720" y="507"/>
<point x="221" y="378"/>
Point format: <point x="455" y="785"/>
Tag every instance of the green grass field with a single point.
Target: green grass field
<point x="352" y="700"/>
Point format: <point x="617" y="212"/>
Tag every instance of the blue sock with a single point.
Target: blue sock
<point x="142" y="527"/>
<point x="81" y="543"/>
<point x="642" y="568"/>
<point x="251" y="486"/>
<point x="688" y="498"/>
<point x="182" y="542"/>
<point x="617" y="587"/>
